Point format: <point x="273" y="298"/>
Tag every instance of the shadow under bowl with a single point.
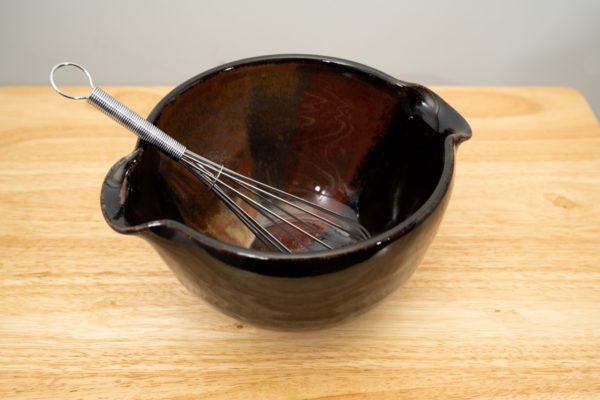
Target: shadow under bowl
<point x="311" y="125"/>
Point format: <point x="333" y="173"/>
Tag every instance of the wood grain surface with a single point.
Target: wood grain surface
<point x="506" y="304"/>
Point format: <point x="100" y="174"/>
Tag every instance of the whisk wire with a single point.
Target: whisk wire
<point x="272" y="216"/>
<point x="216" y="178"/>
<point x="273" y="192"/>
<point x="258" y="230"/>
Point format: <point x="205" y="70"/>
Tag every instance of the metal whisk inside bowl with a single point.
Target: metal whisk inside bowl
<point x="280" y="220"/>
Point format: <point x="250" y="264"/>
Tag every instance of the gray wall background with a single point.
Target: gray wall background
<point x="459" y="42"/>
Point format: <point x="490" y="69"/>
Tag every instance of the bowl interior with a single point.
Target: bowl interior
<point x="312" y="128"/>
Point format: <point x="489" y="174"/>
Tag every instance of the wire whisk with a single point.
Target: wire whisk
<point x="282" y="221"/>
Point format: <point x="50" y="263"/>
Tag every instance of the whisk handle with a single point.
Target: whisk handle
<point x="122" y="114"/>
<point x="135" y="123"/>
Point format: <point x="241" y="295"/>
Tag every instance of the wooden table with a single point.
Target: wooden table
<point x="506" y="304"/>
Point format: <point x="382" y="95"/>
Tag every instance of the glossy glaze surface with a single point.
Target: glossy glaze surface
<point x="311" y="126"/>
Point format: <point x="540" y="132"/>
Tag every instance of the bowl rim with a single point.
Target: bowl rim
<point x="373" y="244"/>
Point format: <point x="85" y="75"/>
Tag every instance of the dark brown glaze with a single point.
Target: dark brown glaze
<point x="381" y="146"/>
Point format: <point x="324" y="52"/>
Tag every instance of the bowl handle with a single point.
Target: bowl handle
<point x="442" y="117"/>
<point x="113" y="193"/>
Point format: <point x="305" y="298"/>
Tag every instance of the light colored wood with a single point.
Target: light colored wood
<point x="506" y="304"/>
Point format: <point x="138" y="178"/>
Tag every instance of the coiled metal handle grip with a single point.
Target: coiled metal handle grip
<point x="123" y="115"/>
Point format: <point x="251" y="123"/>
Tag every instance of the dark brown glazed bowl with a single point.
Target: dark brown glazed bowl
<point x="382" y="146"/>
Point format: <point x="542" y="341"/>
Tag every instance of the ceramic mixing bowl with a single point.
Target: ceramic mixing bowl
<point x="331" y="128"/>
